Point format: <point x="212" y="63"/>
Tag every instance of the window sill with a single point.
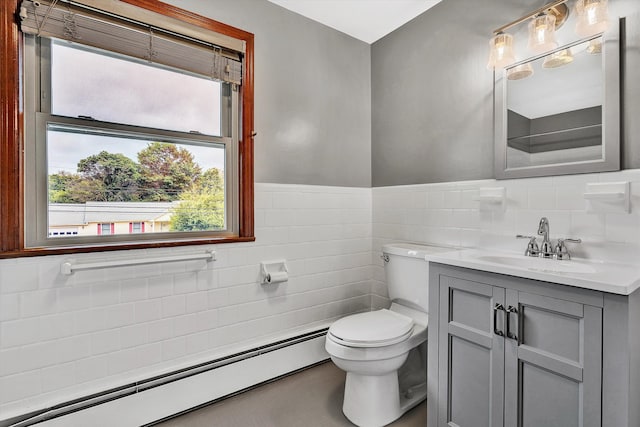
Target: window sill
<point x="33" y="252"/>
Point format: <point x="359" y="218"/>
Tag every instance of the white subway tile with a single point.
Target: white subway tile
<point x="119" y="315"/>
<point x="91" y="368"/>
<point x="171" y="268"/>
<point x="290" y="200"/>
<point x="570" y="198"/>
<point x="236" y="257"/>
<point x="74" y="298"/>
<point x="133" y="336"/>
<point x="50" y="353"/>
<point x="19" y="386"/>
<point x="623" y="228"/>
<point x="145" y="311"/>
<point x="185" y="283"/>
<point x="18" y="276"/>
<point x="541" y="198"/>
<point x="259" y="218"/>
<point x="585" y="225"/>
<point x="105" y="341"/>
<point x="160" y="286"/>
<point x="196" y="343"/>
<point x="272" y="235"/>
<point x="197" y="301"/>
<point x="49" y="275"/>
<point x="104" y="294"/>
<point x="11" y="361"/>
<point x="173" y="306"/>
<point x="137" y="357"/>
<point x="38" y="303"/>
<point x="57" y="326"/>
<point x="9" y="306"/>
<point x="58" y="377"/>
<point x="19" y="332"/>
<point x="174" y="348"/>
<point x="207" y="279"/>
<point x="237" y="276"/>
<point x="279" y="218"/>
<point x="208" y="319"/>
<point x="435" y="200"/>
<point x="160" y="330"/>
<point x="133" y="290"/>
<point x="217" y="298"/>
<point x="90" y="320"/>
<point x="263" y="200"/>
<point x="185" y="325"/>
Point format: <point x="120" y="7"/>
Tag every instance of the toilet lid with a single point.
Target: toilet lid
<point x="372" y="329"/>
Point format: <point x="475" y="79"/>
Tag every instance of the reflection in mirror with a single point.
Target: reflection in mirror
<point x="554" y="107"/>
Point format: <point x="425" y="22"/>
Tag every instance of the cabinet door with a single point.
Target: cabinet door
<point x="470" y="355"/>
<point x="553" y="367"/>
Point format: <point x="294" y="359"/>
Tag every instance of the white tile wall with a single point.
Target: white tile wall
<point x="446" y="214"/>
<point x="69" y="336"/>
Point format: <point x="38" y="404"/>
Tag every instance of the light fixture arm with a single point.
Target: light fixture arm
<point x="529" y="16"/>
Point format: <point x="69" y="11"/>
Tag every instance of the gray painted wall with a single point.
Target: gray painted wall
<point x="432" y="114"/>
<point x="415" y="107"/>
<point x="312" y="95"/>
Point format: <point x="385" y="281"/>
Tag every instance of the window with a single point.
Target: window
<point x="106" y="228"/>
<point x="121" y="142"/>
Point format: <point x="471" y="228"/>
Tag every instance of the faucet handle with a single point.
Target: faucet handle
<point x="570" y="240"/>
<point x="561" y="252"/>
<point x="522" y="236"/>
<point x="532" y="247"/>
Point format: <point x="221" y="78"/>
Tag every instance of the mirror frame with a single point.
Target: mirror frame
<point x="610" y="119"/>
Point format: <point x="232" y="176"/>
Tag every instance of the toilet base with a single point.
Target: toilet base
<point x="371" y="400"/>
<point x="375" y="401"/>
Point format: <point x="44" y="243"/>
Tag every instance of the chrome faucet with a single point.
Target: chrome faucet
<point x="546" y="248"/>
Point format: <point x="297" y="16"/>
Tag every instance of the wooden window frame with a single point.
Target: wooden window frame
<point x="12" y="136"/>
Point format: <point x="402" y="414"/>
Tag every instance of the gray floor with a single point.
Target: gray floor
<point x="311" y="398"/>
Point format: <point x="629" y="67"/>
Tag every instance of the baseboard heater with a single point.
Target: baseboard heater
<point x="280" y="358"/>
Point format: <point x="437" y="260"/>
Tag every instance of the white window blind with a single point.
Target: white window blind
<point x="122" y="34"/>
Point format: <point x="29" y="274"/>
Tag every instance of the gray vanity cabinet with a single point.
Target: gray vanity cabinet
<point x="513" y="352"/>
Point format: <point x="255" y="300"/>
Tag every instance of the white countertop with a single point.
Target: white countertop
<point x="604" y="276"/>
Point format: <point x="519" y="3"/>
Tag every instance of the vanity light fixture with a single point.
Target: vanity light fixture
<point x="520" y="72"/>
<point x="542" y="33"/>
<point x="592" y="18"/>
<point x="556" y="11"/>
<point x="595" y="46"/>
<point x="558" y="59"/>
<point x="501" y="53"/>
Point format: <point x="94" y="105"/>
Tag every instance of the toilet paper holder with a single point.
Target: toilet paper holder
<point x="274" y="271"/>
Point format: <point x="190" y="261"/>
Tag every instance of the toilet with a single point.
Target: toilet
<point x="384" y="352"/>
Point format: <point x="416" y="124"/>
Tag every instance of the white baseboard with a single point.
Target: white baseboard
<point x="178" y="396"/>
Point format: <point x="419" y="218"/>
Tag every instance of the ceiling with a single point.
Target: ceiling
<point x="366" y="20"/>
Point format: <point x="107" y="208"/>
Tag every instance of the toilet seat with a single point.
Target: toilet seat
<point x="372" y="329"/>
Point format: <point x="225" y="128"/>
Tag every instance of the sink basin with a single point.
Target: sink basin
<point x="538" y="264"/>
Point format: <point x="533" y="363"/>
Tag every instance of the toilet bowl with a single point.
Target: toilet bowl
<point x="373" y="347"/>
<point x="372" y="396"/>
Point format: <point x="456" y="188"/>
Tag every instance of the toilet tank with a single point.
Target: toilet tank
<point x="407" y="273"/>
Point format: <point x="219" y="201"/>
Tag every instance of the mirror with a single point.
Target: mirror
<point x="559" y="113"/>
